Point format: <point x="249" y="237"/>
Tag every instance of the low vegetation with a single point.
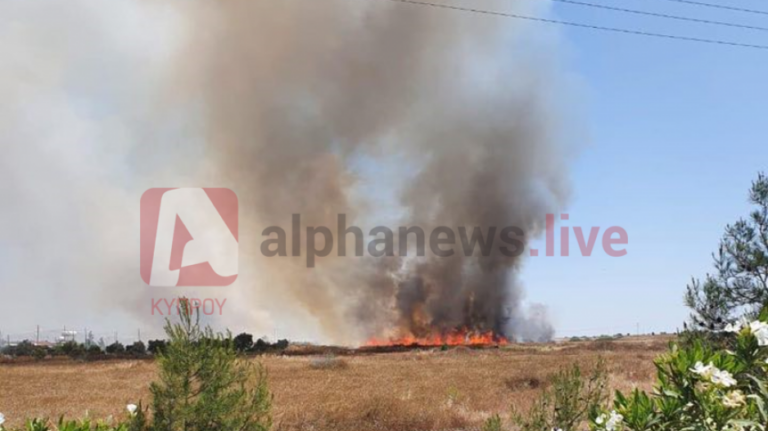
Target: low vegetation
<point x="202" y="385"/>
<point x="407" y="391"/>
<point x="698" y="388"/>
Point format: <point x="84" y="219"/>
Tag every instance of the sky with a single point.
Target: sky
<point x="677" y="132"/>
<point x="670" y="136"/>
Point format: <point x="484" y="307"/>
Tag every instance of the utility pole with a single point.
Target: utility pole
<point x="37" y="336"/>
<point x="139" y="330"/>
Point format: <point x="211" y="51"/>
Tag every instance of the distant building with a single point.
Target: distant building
<point x="66" y="336"/>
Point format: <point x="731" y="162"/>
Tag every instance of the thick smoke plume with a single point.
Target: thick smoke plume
<point x="389" y="113"/>
<point x="296" y="91"/>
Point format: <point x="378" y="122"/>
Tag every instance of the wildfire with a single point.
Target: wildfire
<point x="453" y="338"/>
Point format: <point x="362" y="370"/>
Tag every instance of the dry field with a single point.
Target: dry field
<point x="418" y="390"/>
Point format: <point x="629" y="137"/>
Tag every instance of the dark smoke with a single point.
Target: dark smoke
<point x="295" y="91"/>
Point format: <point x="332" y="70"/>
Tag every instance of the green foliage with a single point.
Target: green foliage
<point x="243" y="342"/>
<point x="115" y="348"/>
<point x="138" y="349"/>
<point x="568" y="402"/>
<point x="71" y="349"/>
<point x="204" y="386"/>
<point x="39" y="353"/>
<point x="493" y="423"/>
<point x="700" y="386"/>
<point x="87" y="425"/>
<point x="135" y="421"/>
<point x="24" y="348"/>
<point x="741" y="279"/>
<point x="37" y="425"/>
<point x="156" y="346"/>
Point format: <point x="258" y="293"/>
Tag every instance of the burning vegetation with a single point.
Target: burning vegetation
<point x="461" y="337"/>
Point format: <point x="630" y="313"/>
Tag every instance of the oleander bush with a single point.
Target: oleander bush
<point x="701" y="387"/>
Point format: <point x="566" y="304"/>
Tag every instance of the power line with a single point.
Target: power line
<point x="719" y="6"/>
<point x="662" y="15"/>
<point x="581" y="25"/>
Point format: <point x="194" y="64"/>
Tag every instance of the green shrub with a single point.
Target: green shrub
<point x="39" y="353"/>
<point x="570" y="400"/>
<point x="204" y="386"/>
<point x="138" y="349"/>
<point x="37" y="425"/>
<point x="115" y="348"/>
<point x="135" y="422"/>
<point x="24" y="348"/>
<point x="156" y="346"/>
<point x="243" y="342"/>
<point x="700" y="386"/>
<point x="493" y="423"/>
<point x="71" y="349"/>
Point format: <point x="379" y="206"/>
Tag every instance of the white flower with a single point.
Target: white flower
<point x="734" y="399"/>
<point x="613" y="421"/>
<point x="737" y="326"/>
<point x="723" y="378"/>
<point x="760" y="331"/>
<point x="131" y="408"/>
<point x="2" y="419"/>
<point x="705" y="371"/>
<point x="711" y="373"/>
<point x="757" y="326"/>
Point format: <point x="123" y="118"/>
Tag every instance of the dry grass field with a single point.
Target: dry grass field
<point x="418" y="390"/>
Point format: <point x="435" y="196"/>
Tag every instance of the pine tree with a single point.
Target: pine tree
<point x="203" y="385"/>
<point x="740" y="284"/>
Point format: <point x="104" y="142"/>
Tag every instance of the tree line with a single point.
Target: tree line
<point x="243" y="344"/>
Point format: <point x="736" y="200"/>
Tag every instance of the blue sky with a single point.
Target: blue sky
<point x="677" y="132"/>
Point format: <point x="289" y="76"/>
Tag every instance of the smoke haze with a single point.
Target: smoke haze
<point x="389" y="113"/>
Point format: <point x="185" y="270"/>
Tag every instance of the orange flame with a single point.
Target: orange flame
<point x="453" y="338"/>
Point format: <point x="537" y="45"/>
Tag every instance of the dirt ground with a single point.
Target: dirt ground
<point x="418" y="390"/>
